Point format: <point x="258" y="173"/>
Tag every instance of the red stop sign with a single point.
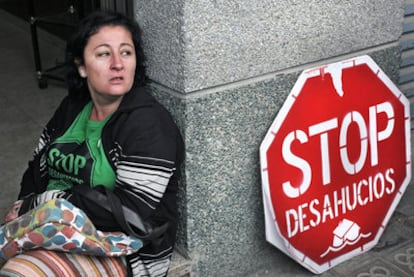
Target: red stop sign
<point x="335" y="163"/>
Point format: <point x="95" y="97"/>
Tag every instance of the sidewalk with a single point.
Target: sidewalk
<point x="24" y="108"/>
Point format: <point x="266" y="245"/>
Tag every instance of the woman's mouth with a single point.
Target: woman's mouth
<point x="116" y="79"/>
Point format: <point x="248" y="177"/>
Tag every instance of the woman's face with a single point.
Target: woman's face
<point x="109" y="62"/>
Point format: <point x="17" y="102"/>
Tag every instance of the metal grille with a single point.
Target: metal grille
<point x="406" y="82"/>
<point x="122" y="6"/>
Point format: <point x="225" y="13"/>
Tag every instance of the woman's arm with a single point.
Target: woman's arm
<point x="35" y="178"/>
<point x="148" y="155"/>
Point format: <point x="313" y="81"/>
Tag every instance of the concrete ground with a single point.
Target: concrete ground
<point x="24" y="110"/>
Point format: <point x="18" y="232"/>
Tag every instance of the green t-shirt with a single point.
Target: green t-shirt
<point x="77" y="157"/>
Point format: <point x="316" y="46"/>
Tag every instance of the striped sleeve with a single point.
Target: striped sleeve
<point x="145" y="178"/>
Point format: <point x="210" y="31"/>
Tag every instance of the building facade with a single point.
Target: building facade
<point x="224" y="69"/>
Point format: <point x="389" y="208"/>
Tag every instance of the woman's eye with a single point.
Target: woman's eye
<point x="103" y="54"/>
<point x="126" y="53"/>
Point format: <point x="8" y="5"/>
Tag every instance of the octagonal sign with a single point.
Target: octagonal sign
<point x="335" y="163"/>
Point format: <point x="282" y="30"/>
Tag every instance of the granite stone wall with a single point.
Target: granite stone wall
<point x="224" y="68"/>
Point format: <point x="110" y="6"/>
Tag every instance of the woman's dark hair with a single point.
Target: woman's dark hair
<point x="89" y="26"/>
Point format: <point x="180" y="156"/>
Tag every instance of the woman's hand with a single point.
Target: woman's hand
<point x="13" y="211"/>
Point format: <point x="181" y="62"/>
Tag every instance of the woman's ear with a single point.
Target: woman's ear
<point x="81" y="68"/>
<point x="82" y="71"/>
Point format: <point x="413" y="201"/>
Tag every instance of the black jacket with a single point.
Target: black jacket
<point x="145" y="149"/>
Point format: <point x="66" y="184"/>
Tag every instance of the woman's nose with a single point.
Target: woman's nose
<point x="116" y="62"/>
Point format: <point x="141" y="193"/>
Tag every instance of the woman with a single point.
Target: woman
<point x="110" y="146"/>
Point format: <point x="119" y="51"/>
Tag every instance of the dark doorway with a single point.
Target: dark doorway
<point x="58" y="10"/>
